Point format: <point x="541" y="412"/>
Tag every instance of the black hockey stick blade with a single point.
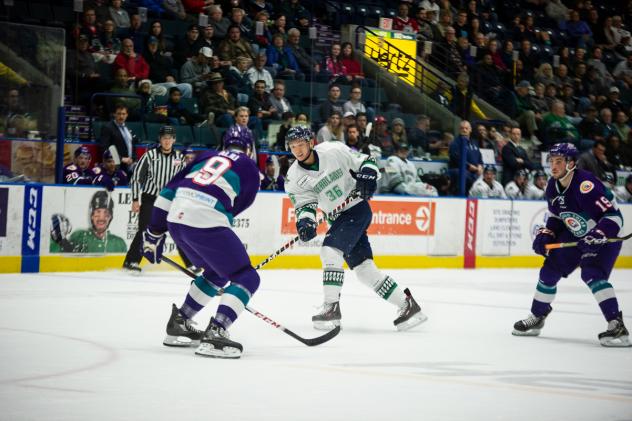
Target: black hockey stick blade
<point x="307" y="341"/>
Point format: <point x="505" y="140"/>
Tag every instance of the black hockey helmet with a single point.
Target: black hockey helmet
<point x="101" y="200"/>
<point x="167" y="131"/>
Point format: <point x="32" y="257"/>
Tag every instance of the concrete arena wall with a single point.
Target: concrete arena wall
<point x="407" y="232"/>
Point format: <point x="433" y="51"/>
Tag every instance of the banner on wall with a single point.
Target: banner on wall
<point x="403" y="64"/>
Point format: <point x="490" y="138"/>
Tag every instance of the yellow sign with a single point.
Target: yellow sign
<point x="399" y="60"/>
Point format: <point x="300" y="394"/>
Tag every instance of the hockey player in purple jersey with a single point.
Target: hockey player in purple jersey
<point x="79" y="172"/>
<point x="197" y="207"/>
<point x="581" y="209"/>
<point x="108" y="174"/>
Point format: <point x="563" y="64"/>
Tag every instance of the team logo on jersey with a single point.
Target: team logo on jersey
<point x="586" y="186"/>
<point x="575" y="223"/>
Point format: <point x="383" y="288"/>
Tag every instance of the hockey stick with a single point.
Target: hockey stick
<point x="574" y="243"/>
<point x="309" y="342"/>
<point x="354" y="194"/>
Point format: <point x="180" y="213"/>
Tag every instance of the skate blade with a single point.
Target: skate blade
<point x="179" y="341"/>
<point x="326" y="325"/>
<point x="412" y="322"/>
<point x="532" y="332"/>
<point x="208" y="350"/>
<point x="620" y="342"/>
<point x="134" y="272"/>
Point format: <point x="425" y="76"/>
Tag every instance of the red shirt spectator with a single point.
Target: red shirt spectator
<point x="135" y="65"/>
<point x="402" y="22"/>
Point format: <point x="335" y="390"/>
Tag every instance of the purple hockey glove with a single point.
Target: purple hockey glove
<point x="593" y="241"/>
<point x="152" y="247"/>
<point x="545" y="236"/>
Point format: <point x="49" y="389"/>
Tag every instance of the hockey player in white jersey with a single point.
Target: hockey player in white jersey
<point x="401" y="175"/>
<point x="324" y="176"/>
<point x="624" y="193"/>
<point x="486" y="186"/>
<point x="535" y="190"/>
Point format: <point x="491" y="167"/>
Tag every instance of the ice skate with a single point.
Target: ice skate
<point x="617" y="335"/>
<point x="328" y="317"/>
<point x="180" y="331"/>
<point x="409" y="314"/>
<point x="531" y="326"/>
<point x="132" y="268"/>
<point x="216" y="343"/>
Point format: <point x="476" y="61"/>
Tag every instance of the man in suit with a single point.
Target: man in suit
<point x="115" y="133"/>
<point x="514" y="156"/>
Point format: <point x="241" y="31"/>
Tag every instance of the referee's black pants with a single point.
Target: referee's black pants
<point x="134" y="254"/>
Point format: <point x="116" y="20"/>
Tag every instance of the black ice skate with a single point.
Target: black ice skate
<point x="531" y="326"/>
<point x="216" y="343"/>
<point x="180" y="331"/>
<point x="132" y="268"/>
<point x="617" y="335"/>
<point x="328" y="317"/>
<point x="409" y="314"/>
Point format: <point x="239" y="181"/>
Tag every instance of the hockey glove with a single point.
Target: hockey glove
<point x="545" y="236"/>
<point x="153" y="244"/>
<point x="593" y="241"/>
<point x="366" y="181"/>
<point x="60" y="228"/>
<point x="306" y="228"/>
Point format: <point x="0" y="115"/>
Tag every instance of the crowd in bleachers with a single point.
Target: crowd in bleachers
<point x="561" y="70"/>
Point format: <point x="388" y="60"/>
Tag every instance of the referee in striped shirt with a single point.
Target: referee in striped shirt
<point x="153" y="171"/>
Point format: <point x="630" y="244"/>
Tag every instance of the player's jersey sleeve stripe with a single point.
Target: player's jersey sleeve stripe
<point x="307" y="211"/>
<point x="167" y="194"/>
<point x="162" y="203"/>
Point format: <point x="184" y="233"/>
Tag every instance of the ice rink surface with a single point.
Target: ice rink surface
<point x="88" y="346"/>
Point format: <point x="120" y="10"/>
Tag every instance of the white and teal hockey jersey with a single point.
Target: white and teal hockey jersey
<point x="622" y="194"/>
<point x="530" y="192"/>
<point x="327" y="182"/>
<point x="483" y="190"/>
<point x="401" y="178"/>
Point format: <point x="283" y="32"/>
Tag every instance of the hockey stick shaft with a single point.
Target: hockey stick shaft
<point x="574" y="243"/>
<point x="307" y="341"/>
<point x="294" y="240"/>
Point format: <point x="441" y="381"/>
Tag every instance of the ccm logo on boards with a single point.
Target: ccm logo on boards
<point x="389" y="218"/>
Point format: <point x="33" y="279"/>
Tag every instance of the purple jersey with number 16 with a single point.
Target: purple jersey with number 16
<point x="208" y="193"/>
<point x="582" y="205"/>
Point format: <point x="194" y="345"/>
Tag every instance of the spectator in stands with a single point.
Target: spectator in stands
<point x="119" y="15"/>
<point x="348" y="118"/>
<point x="514" y="156"/>
<point x="538" y="100"/>
<point x="217" y="100"/>
<point x="624" y="193"/>
<point x="596" y="87"/>
<point x="486" y="187"/>
<point x="497" y="57"/>
<point x="488" y="80"/>
<point x="153" y="6"/>
<point x="83" y="72"/>
<point x="155" y="31"/>
<point x="507" y="54"/>
<point x="461" y="26"/>
<point x="525" y="111"/>
<point x="354" y="104"/>
<point x="473" y="157"/>
<point x="590" y="127"/>
<point x="107" y="45"/>
<point x="333" y="66"/>
<point x="148" y="107"/>
<point x="550" y="95"/>
<point x="621" y="125"/>
<point x="353" y="138"/>
<point x="279" y="26"/>
<point x="207" y="39"/>
<point x="353" y="68"/>
<point x="282" y="59"/>
<point x="134" y="32"/>
<point x="561" y="77"/>
<point x="544" y="74"/>
<point x="186" y="47"/>
<point x="293" y="9"/>
<point x="261" y="37"/>
<point x="135" y="65"/>
<point x="595" y="161"/>
<point x="305" y="60"/>
<point x="257" y="6"/>
<point x="260" y="104"/>
<point x="269" y="181"/>
<point x="613" y="102"/>
<point x="403" y="22"/>
<point x="178" y="114"/>
<point x="219" y="22"/>
<point x="381" y="137"/>
<point x="234" y="46"/>
<point x="116" y="133"/>
<point x="578" y="30"/>
<point x="447" y="54"/>
<point x="122" y="86"/>
<point x="287" y="122"/>
<point x="195" y="7"/>
<point x="445" y="21"/>
<point x="606" y="126"/>
<point x="332" y="130"/>
<point x="259" y="72"/>
<point x="398" y="132"/>
<point x="197" y="71"/>
<point x="615" y="154"/>
<point x="599" y="66"/>
<point x="87" y="26"/>
<point x="175" y="9"/>
<point x="161" y="71"/>
<point x="427" y="28"/>
<point x="100" y="8"/>
<point x="418" y="137"/>
<point x="557" y="127"/>
<point x="362" y="122"/>
<point x="530" y="60"/>
<point x="278" y="99"/>
<point x="237" y="81"/>
<point x="332" y="103"/>
<point x="461" y="102"/>
<point x="557" y="11"/>
<point x="251" y="122"/>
